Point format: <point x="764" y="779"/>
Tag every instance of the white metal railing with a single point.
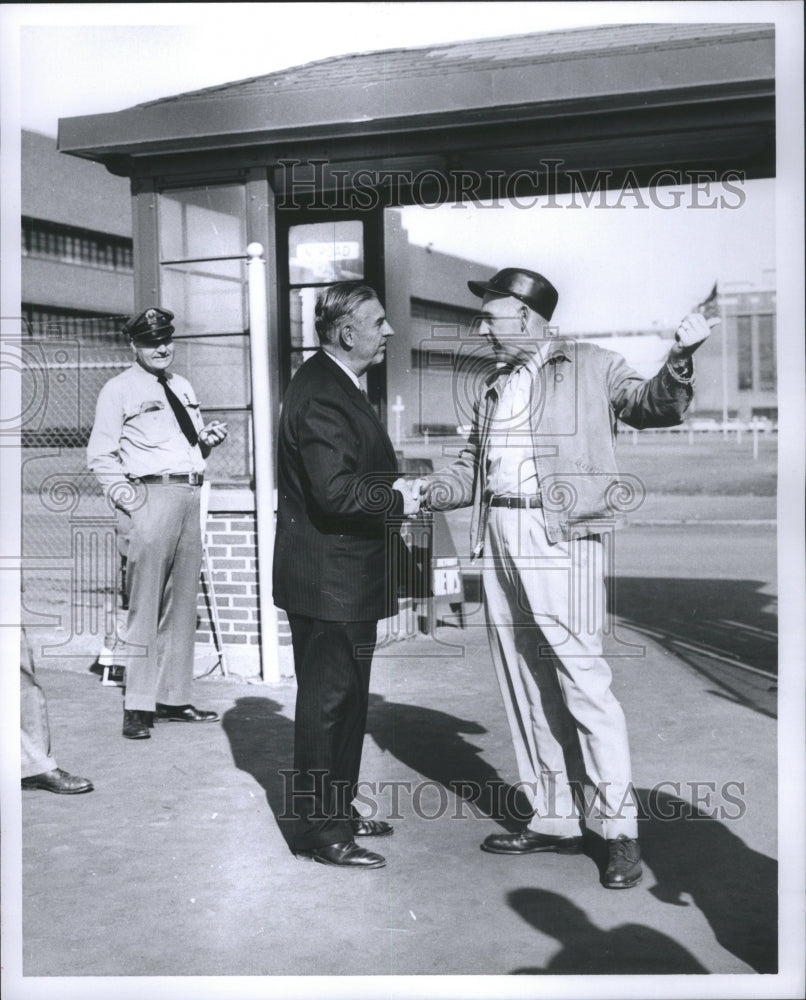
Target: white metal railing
<point x="265" y="492"/>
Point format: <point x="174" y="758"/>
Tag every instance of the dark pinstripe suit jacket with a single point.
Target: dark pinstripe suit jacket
<point x="336" y="464"/>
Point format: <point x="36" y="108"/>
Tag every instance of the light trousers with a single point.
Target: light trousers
<point x="162" y="544"/>
<point x="545" y="608"/>
<point x="35" y="753"/>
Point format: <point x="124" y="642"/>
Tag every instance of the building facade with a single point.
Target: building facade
<point x="737" y="369"/>
<point x="77" y="252"/>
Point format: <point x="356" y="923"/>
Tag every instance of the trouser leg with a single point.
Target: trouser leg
<point x="154" y="533"/>
<point x="332" y="662"/>
<point x="176" y="630"/>
<point x="35" y="752"/>
<point x="560" y="588"/>
<point x="543" y="733"/>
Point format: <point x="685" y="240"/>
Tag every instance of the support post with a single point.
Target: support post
<point x="264" y="460"/>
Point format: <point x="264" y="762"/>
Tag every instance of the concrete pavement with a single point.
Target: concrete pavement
<point x="177" y="864"/>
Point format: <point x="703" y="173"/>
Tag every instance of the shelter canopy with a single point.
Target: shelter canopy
<point x="625" y="98"/>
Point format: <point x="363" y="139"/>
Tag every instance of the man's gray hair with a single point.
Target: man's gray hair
<point x="335" y="303"/>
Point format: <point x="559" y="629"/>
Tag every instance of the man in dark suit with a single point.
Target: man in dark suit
<point x="338" y="498"/>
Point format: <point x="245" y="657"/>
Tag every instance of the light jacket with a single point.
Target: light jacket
<point x="580" y="391"/>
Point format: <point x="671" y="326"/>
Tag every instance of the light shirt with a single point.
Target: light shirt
<point x="344" y="368"/>
<point x="135" y="431"/>
<point x="511" y="465"/>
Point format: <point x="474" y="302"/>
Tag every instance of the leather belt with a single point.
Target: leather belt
<point x="517" y="501"/>
<point x="189" y="478"/>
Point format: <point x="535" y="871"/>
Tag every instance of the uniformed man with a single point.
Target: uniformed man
<point x="148" y="448"/>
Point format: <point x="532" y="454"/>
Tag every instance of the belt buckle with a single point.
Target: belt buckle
<point x="193" y="478"/>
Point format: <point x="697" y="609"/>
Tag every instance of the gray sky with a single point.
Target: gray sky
<point x="637" y="266"/>
<point x="105" y="57"/>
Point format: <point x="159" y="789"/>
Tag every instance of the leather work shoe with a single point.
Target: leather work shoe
<point x="345" y="855"/>
<point x="136" y="724"/>
<point x="58" y="781"/>
<point x="529" y="842"/>
<point x="624" y="864"/>
<point x="371" y="828"/>
<point x="184" y="713"/>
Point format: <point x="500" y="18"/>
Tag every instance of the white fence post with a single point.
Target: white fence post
<point x="264" y="460"/>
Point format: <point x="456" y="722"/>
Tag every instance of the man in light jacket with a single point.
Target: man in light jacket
<point x="539" y="470"/>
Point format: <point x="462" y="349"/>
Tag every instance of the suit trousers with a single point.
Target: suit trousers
<point x="545" y="607"/>
<point x="162" y="543"/>
<point x="332" y="661"/>
<point x="35" y="753"/>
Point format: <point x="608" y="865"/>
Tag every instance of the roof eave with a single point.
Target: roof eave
<point x="341" y="108"/>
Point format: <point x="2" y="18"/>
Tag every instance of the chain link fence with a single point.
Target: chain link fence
<point x="71" y="568"/>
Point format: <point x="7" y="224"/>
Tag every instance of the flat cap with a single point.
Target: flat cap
<point x="530" y="287"/>
<point x="152" y="326"/>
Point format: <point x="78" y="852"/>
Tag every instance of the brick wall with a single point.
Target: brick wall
<point x="232" y="554"/>
<point x="232" y="557"/>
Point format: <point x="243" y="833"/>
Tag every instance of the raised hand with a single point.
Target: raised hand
<point x="693" y="331"/>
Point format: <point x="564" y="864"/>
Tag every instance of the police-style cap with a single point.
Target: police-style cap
<point x="530" y="287"/>
<point x="152" y="326"/>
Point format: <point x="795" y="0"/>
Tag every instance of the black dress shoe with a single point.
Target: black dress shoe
<point x="345" y="855"/>
<point x="529" y="842"/>
<point x="184" y="713"/>
<point x="136" y="724"/>
<point x="371" y="828"/>
<point x="58" y="781"/>
<point x="624" y="864"/>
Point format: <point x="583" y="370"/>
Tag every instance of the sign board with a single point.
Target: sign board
<point x="318" y="253"/>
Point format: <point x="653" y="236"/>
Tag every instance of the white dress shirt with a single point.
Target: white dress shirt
<point x="135" y="431"/>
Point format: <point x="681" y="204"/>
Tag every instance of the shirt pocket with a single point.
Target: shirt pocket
<point x="152" y="422"/>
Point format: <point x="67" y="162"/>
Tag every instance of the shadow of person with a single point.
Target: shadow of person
<point x="587" y="950"/>
<point x="262" y="744"/>
<point x="714" y="626"/>
<point x="432" y="743"/>
<point x="736" y="888"/>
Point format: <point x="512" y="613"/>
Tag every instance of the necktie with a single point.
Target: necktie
<point x="181" y="414"/>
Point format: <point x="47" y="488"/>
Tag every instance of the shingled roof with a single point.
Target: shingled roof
<point x="702" y="94"/>
<point x="479" y="55"/>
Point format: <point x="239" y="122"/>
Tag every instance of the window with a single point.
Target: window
<point x="755" y="350"/>
<point x="71" y="324"/>
<point x="202" y="254"/>
<point x="72" y="245"/>
<point x="766" y="352"/>
<point x="422" y="358"/>
<point x="744" y="351"/>
<point x="202" y="247"/>
<point x="319" y="254"/>
<point x="442" y="314"/>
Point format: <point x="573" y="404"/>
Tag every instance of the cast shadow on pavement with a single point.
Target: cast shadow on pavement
<point x="262" y="743"/>
<point x="693" y="854"/>
<point x="629" y="949"/>
<point x="710" y="625"/>
<point x="433" y="744"/>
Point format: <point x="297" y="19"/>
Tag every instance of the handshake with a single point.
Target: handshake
<point x="413" y="491"/>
